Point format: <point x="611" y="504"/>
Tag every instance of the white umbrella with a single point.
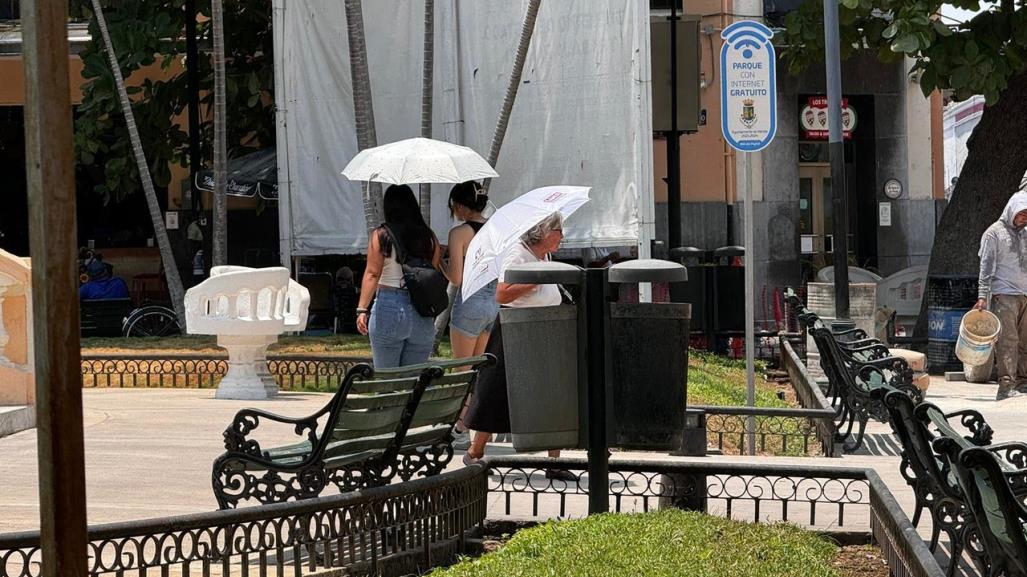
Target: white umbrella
<point x="418" y="160"/>
<point x="506" y="226"/>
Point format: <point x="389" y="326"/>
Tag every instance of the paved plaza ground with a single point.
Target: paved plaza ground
<point x="149" y="451"/>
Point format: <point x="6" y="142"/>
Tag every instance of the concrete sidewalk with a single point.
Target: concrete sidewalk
<point x="149" y="451"/>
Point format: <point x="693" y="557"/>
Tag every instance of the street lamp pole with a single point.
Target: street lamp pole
<point x="836" y="147"/>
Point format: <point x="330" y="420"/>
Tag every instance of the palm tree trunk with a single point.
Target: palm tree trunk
<point x="427" y="85"/>
<point x="220" y="241"/>
<point x="363" y="108"/>
<point x="175" y="288"/>
<point x="527" y="30"/>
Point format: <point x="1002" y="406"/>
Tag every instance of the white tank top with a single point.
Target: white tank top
<point x="392" y="272"/>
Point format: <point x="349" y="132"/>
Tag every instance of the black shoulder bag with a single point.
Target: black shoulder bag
<point x="425" y="283"/>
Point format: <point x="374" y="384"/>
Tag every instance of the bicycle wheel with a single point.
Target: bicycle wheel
<point x="152" y="321"/>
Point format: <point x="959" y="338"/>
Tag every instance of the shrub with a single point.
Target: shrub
<point x="667" y="543"/>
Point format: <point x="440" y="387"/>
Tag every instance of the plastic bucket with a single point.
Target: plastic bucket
<point x="977" y="334"/>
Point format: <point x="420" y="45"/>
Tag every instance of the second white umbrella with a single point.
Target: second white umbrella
<point x="418" y="160"/>
<point x="506" y="226"/>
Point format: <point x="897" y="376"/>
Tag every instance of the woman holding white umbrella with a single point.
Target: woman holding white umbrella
<point x="400" y="335"/>
<point x="490" y="411"/>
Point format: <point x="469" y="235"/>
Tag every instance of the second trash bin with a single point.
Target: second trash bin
<point x="541" y="349"/>
<point x="649" y="348"/>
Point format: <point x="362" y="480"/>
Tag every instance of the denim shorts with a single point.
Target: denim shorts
<point x="477" y="315"/>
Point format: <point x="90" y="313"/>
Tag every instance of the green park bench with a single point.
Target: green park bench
<point x="380" y="424"/>
<point x="934" y="485"/>
<point x="994" y="480"/>
<point x="855" y="367"/>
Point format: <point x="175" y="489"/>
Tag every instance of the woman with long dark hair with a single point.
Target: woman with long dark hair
<point x="400" y="336"/>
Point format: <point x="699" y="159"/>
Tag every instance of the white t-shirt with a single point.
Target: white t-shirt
<point x="544" y="295"/>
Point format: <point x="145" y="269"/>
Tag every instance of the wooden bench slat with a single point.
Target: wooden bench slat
<point x="356" y="402"/>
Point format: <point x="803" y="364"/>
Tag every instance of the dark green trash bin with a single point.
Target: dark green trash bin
<point x="649" y="352"/>
<point x="541" y="349"/>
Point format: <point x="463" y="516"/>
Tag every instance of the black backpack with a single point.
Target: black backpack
<point x="425" y="283"/>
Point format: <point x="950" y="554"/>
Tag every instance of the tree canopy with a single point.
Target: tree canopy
<point x="978" y="56"/>
<point x="151" y="33"/>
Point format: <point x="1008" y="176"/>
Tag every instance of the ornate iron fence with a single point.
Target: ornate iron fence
<point x="410" y="527"/>
<point x="776" y="431"/>
<point x="205" y="371"/>
<point x="397" y="529"/>
<point x="831" y="499"/>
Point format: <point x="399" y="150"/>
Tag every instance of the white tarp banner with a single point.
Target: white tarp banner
<point x="582" y="115"/>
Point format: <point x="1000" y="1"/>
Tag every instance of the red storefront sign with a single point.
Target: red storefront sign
<point x="813" y="119"/>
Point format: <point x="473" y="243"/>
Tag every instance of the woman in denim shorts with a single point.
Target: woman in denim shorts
<point x="470" y="320"/>
<point x="400" y="336"/>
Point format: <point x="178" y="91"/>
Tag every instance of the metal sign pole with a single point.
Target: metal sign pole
<point x="836" y="146"/>
<point x="750" y="312"/>
<point x="748" y="104"/>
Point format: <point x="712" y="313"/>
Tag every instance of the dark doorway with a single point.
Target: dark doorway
<point x="14" y="217"/>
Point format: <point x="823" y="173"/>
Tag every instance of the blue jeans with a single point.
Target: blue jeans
<point x="400" y="336"/>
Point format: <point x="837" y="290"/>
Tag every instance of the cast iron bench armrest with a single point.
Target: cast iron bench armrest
<point x="247" y="420"/>
<point x="1014" y="453"/>
<point x="974" y="422"/>
<point x="859" y="334"/>
<point x="874" y="347"/>
<point x="262" y="459"/>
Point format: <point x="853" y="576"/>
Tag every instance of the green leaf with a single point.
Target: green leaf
<point x="906" y="44"/>
<point x="850" y="4"/>
<point x="941" y="28"/>
<point x="971" y="50"/>
<point x="928" y="81"/>
<point x="1014" y="56"/>
<point x="891" y="31"/>
<point x="961" y="77"/>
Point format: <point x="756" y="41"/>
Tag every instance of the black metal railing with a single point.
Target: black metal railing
<point x="411" y="527"/>
<point x="185" y="370"/>
<point x="806" y="495"/>
<point x="775" y="431"/>
<point x="827" y="499"/>
<point x="394" y="530"/>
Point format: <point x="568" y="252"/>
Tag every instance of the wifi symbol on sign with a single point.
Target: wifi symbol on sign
<point x="747" y="35"/>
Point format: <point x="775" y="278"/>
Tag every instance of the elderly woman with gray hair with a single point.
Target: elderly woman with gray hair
<point x="490" y="411"/>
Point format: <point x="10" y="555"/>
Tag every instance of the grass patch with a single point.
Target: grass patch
<point x="720" y="381"/>
<point x="665" y="543"/>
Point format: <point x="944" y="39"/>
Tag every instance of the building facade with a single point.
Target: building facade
<point x="894" y="168"/>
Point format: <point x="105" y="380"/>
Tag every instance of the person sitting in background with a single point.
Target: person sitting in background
<point x="101" y="284"/>
<point x="345" y="296"/>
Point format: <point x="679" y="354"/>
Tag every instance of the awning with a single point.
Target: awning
<point x="249" y="175"/>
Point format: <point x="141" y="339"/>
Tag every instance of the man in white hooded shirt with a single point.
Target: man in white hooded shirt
<point x="1003" y="278"/>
